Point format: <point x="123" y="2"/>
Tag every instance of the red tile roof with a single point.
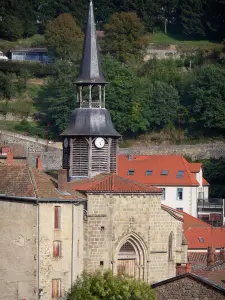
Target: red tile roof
<point x="156" y="163"/>
<point x="201" y="238"/>
<point x="192" y="222"/>
<point x="113" y="183"/>
<point x="22" y="181"/>
<point x="195" y="167"/>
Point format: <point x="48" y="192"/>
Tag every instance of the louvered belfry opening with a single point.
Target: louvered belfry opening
<point x="79" y="166"/>
<point x="100" y="163"/>
<point x="82" y="157"/>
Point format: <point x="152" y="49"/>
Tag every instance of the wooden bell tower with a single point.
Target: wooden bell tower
<point x="90" y="143"/>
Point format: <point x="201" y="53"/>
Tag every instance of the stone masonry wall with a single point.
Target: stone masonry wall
<point x="18" y="251"/>
<point x="196" y="152"/>
<point x="187" y="289"/>
<point x="112" y="219"/>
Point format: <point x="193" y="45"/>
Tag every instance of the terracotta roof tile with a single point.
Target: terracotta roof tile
<point x="113" y="183"/>
<point x="156" y="163"/>
<point x="192" y="222"/>
<point x="22" y="181"/>
<point x="15" y="181"/>
<point x="195" y="167"/>
<point x="201" y="238"/>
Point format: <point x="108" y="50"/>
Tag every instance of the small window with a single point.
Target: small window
<point x="164" y="172"/>
<point x="56" y="288"/>
<point x="180" y="194"/>
<point x="180" y="174"/>
<point x="102" y="228"/>
<point x="129" y="157"/>
<point x="130" y="172"/>
<point x="148" y="172"/>
<point x="101" y="263"/>
<point x="163" y="197"/>
<point x="57" y="248"/>
<point x="180" y="208"/>
<point x="201" y="240"/>
<point x="57" y="217"/>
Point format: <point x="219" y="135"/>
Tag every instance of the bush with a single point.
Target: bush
<point x="105" y="286"/>
<point x="30" y="129"/>
<point x="35" y="68"/>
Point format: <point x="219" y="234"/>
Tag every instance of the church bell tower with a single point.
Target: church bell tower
<point x="90" y="141"/>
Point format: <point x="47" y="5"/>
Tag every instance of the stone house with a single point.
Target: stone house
<point x="41" y="242"/>
<point x="188" y="287"/>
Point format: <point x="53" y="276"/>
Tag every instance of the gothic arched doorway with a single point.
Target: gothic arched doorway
<point x="127" y="260"/>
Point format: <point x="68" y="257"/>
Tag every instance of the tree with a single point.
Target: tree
<point x="124" y="36"/>
<point x="205" y="98"/>
<point x="57" y="98"/>
<point x="191" y="17"/>
<point x="105" y="286"/>
<point x="64" y="37"/>
<point x="126" y="96"/>
<point x="11" y="27"/>
<point x="164" y="106"/>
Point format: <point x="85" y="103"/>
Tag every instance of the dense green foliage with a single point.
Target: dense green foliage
<point x="105" y="286"/>
<point x="35" y="68"/>
<point x="193" y="18"/>
<point x="64" y="38"/>
<point x="124" y="37"/>
<point x="214" y="173"/>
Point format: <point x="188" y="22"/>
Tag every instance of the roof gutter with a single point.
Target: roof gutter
<point x="42" y="200"/>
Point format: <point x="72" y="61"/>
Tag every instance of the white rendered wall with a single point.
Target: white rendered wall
<point x="188" y="203"/>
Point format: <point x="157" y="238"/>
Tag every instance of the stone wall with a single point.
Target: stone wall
<point x="195" y="152"/>
<point x="18" y="251"/>
<point x="187" y="289"/>
<point x="115" y="219"/>
<point x="70" y="263"/>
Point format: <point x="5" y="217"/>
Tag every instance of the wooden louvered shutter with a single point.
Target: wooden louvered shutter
<point x="57" y="216"/>
<point x="56" y="288"/>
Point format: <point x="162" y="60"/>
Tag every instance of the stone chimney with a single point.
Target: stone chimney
<point x="9" y="159"/>
<point x="222" y="254"/>
<point x="62" y="180"/>
<point x="211" y="256"/>
<point x="39" y="163"/>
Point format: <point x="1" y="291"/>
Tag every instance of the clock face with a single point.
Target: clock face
<point x="66" y="142"/>
<point x="99" y="142"/>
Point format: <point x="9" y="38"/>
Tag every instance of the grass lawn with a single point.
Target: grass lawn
<point x="162" y="38"/>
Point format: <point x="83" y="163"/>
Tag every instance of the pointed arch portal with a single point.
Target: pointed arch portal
<point x="131" y="257"/>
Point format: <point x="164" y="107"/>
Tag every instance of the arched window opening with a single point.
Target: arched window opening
<point x="96" y="96"/>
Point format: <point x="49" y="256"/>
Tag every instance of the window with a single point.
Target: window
<point x="148" y="172"/>
<point x="170" y="247"/>
<point x="201" y="240"/>
<point x="180" y="208"/>
<point x="56" y="288"/>
<point x="180" y="174"/>
<point x="57" y="217"/>
<point x="57" y="249"/>
<point x="164" y="172"/>
<point x="78" y="248"/>
<point x="163" y="197"/>
<point x="130" y="172"/>
<point x="180" y="194"/>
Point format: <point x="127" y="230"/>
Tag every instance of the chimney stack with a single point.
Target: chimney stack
<point x="222" y="254"/>
<point x="211" y="256"/>
<point x="62" y="180"/>
<point x="9" y="157"/>
<point x="188" y="268"/>
<point x="39" y="163"/>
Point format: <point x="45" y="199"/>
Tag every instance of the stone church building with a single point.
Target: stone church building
<point x="90" y="218"/>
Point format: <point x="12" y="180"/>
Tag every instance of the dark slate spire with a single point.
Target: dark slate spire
<point x="91" y="68"/>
